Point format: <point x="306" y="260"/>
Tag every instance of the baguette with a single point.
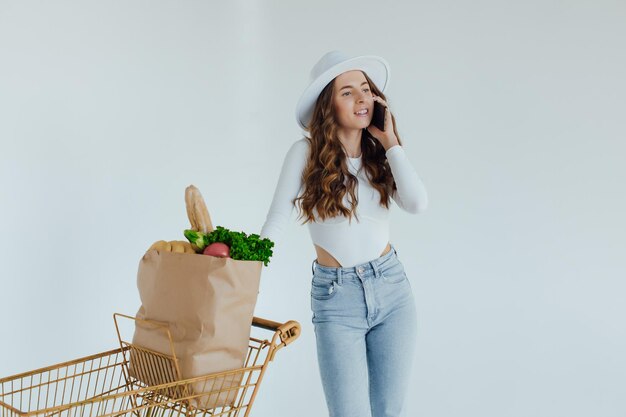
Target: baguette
<point x="180" y="246"/>
<point x="177" y="246"/>
<point x="190" y="205"/>
<point x="161" y="246"/>
<point x="202" y="214"/>
<point x="196" y="210"/>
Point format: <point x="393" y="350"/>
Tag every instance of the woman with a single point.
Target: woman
<point x="363" y="307"/>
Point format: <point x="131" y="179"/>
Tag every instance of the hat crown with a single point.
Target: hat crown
<point x="327" y="61"/>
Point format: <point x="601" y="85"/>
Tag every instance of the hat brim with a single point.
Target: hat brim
<point x="376" y="68"/>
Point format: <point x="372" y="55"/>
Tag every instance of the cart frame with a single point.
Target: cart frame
<point x="102" y="385"/>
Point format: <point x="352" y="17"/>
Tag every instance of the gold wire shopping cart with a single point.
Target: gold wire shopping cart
<point x="103" y="385"/>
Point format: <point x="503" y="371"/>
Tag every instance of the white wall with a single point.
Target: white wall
<point x="512" y="113"/>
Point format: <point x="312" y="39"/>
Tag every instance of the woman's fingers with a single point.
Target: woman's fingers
<point x="381" y="101"/>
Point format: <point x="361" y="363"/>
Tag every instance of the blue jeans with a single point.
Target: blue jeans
<point x="365" y="328"/>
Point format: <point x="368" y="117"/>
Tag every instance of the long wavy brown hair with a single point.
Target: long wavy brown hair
<point x="326" y="177"/>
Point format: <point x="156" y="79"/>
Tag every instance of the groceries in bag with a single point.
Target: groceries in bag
<point x="207" y="299"/>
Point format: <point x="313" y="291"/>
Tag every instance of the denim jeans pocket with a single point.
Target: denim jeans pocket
<point x="323" y="288"/>
<point x="394" y="273"/>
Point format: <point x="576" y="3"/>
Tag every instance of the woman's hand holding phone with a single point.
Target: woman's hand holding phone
<point x="383" y="132"/>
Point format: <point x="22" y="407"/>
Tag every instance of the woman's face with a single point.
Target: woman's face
<point x="353" y="100"/>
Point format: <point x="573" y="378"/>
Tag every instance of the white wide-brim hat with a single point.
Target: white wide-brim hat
<point x="329" y="66"/>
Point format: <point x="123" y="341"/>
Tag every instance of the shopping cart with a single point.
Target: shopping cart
<point x="104" y="385"/>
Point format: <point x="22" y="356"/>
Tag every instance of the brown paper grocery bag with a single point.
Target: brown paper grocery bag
<point x="209" y="304"/>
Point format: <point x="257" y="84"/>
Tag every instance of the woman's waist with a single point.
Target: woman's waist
<point x="324" y="258"/>
<point x="363" y="263"/>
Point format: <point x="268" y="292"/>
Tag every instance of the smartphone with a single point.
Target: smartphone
<point x="378" y="118"/>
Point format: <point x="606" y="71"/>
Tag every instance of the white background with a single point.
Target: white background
<point x="513" y="114"/>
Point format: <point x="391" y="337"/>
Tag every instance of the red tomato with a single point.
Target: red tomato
<point x="218" y="249"/>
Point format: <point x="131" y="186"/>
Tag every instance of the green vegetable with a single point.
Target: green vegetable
<point x="198" y="239"/>
<point x="242" y="247"/>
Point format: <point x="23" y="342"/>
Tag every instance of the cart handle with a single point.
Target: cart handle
<point x="265" y="324"/>
<point x="288" y="331"/>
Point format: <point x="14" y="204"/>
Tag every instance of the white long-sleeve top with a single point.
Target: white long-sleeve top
<point x="350" y="243"/>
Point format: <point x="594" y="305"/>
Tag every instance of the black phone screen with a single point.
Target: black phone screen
<point x="378" y="118"/>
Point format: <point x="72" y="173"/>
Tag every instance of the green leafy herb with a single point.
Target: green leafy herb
<point x="242" y="247"/>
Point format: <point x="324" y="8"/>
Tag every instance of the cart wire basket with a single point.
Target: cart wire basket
<point x="137" y="382"/>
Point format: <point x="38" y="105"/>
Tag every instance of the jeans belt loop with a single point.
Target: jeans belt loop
<point x="339" y="276"/>
<point x="375" y="268"/>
